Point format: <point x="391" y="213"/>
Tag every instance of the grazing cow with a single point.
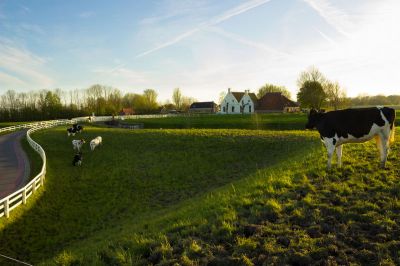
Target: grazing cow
<point x="77" y="161"/>
<point x="95" y="142"/>
<point x="354" y="125"/>
<point x="77" y="144"/>
<point x="71" y="131"/>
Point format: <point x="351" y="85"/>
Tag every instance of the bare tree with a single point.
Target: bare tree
<point x="311" y="74"/>
<point x="177" y="98"/>
<point x="336" y="96"/>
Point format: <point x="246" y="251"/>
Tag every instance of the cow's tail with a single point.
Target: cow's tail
<point x="390" y="115"/>
<point x="392" y="132"/>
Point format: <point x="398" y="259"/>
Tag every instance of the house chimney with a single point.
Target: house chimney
<point x="246" y="92"/>
<point x="229" y="90"/>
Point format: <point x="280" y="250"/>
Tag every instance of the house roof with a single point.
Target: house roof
<point x="239" y="96"/>
<point x="127" y="110"/>
<point x="275" y="101"/>
<point x="202" y="105"/>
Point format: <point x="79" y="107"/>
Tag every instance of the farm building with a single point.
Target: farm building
<point x="239" y="103"/>
<point x="126" y="111"/>
<point x="276" y="102"/>
<point x="203" y="107"/>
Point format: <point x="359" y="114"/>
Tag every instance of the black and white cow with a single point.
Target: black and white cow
<point x="354" y="125"/>
<point x="78" y="128"/>
<point x="77" y="161"/>
<point x="71" y="131"/>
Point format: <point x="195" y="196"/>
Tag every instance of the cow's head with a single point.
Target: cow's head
<point x="314" y="117"/>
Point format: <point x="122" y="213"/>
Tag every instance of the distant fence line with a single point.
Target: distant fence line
<point x="10" y="202"/>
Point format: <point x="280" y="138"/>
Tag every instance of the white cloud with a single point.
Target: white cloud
<point x="10" y="81"/>
<point x="214" y="21"/>
<point x="23" y="65"/>
<point x="257" y="45"/>
<point x="332" y="15"/>
<point x="122" y="76"/>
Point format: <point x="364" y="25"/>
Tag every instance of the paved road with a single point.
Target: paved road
<point x="14" y="164"/>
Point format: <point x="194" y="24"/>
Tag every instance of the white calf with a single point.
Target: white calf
<point x="95" y="142"/>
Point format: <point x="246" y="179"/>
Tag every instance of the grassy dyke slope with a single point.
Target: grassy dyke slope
<point x="134" y="178"/>
<point x="292" y="213"/>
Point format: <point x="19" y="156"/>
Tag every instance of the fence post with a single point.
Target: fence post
<point x="42" y="179"/>
<point x="6" y="208"/>
<point x="34" y="187"/>
<point x="24" y="196"/>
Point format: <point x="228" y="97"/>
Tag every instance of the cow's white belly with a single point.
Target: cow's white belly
<point x="336" y="140"/>
<point x="375" y="130"/>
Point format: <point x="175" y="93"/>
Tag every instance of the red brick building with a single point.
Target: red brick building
<point x="276" y="102"/>
<point x="127" y="111"/>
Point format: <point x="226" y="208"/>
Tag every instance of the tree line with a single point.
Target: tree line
<point x="52" y="104"/>
<point x="315" y="91"/>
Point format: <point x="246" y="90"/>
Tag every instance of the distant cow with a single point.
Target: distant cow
<point x="77" y="161"/>
<point x="95" y="142"/>
<point x="78" y="128"/>
<point x="354" y="125"/>
<point x="77" y="144"/>
<point x="71" y="131"/>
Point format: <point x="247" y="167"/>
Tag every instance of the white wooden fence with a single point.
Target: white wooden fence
<point x="20" y="196"/>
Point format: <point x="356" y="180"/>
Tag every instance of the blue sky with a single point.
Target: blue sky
<point x="200" y="46"/>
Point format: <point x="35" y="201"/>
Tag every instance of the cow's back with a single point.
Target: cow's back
<point x="355" y="122"/>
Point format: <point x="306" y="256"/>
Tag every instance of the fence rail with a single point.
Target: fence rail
<point x="10" y="202"/>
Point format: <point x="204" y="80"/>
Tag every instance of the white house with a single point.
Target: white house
<point x="238" y="103"/>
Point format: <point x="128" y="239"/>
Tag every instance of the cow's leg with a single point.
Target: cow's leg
<point x="384" y="139"/>
<point x="330" y="149"/>
<point x="339" y="155"/>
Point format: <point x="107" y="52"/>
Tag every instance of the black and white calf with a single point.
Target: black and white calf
<point x="77" y="161"/>
<point x="354" y="125"/>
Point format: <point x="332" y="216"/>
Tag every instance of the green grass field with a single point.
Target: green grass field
<point x="272" y="121"/>
<point x="208" y="196"/>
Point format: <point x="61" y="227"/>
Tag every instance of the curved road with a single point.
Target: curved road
<point x="14" y="164"/>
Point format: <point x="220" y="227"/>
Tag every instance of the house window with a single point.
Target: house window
<point x="248" y="101"/>
<point x="249" y="108"/>
<point x="223" y="109"/>
<point x="233" y="109"/>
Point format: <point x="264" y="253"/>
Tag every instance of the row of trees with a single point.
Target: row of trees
<point x="315" y="91"/>
<point x="98" y="99"/>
